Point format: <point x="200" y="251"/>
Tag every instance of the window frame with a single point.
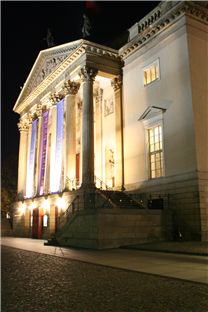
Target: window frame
<point x="150" y="124"/>
<point x="148" y="67"/>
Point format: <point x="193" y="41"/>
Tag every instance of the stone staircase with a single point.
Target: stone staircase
<point x="111" y="219"/>
<point x="121" y="200"/>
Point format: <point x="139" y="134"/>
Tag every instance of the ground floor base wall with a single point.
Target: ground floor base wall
<point x="203" y="195"/>
<point x="185" y="214"/>
<point x="99" y="229"/>
<point x="38" y="217"/>
<point x="6" y="227"/>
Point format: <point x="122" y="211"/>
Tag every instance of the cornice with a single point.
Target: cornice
<point x="85" y="47"/>
<point x="166" y="13"/>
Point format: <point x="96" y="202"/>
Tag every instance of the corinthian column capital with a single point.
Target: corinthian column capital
<point x="70" y="87"/>
<point x="56" y="97"/>
<point x="23" y="124"/>
<point x="116" y="83"/>
<point x="88" y="73"/>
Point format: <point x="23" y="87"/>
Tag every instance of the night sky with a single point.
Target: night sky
<point x="24" y="26"/>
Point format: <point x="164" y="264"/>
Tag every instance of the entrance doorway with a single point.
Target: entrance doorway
<point x="77" y="170"/>
<point x="37" y="223"/>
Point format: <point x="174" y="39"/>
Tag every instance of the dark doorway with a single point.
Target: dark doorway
<point x="37" y="223"/>
<point x="77" y="169"/>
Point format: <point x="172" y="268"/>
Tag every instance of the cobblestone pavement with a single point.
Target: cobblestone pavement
<point x="37" y="282"/>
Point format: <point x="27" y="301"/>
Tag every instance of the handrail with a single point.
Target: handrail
<point x="107" y="202"/>
<point x="70" y="210"/>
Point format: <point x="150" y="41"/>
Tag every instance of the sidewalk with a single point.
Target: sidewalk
<point x="180" y="266"/>
<point x="190" y="248"/>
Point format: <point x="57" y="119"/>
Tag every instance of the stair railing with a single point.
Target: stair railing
<point x="70" y="211"/>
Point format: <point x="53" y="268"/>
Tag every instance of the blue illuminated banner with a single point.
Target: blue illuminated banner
<point x="31" y="161"/>
<point x="59" y="146"/>
<point x="43" y="153"/>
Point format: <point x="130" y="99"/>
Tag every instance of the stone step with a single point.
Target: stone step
<point x="121" y="199"/>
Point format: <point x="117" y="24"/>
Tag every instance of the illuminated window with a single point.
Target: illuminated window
<point x="155" y="145"/>
<point x="31" y="220"/>
<point x="45" y="220"/>
<point x="151" y="73"/>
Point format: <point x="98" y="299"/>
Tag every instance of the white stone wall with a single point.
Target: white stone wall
<point x="182" y="91"/>
<point x="198" y="61"/>
<point x="172" y="92"/>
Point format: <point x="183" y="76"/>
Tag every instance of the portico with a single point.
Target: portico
<point x="64" y="150"/>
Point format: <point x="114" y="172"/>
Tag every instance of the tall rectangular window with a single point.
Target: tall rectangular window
<point x="151" y="72"/>
<point x="155" y="151"/>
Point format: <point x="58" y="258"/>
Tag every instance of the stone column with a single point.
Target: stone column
<point x="23" y="126"/>
<point x="70" y="90"/>
<point x="119" y="158"/>
<point x="88" y="75"/>
<point x="37" y="159"/>
<point x="98" y="137"/>
<point x="29" y="135"/>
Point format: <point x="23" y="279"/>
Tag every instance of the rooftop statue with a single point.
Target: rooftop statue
<point x="86" y="27"/>
<point x="49" y="39"/>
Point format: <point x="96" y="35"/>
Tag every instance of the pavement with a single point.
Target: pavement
<point x="189" y="248"/>
<point x="188" y="267"/>
<point x="37" y="282"/>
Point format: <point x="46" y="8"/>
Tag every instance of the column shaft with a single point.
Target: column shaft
<point x="22" y="166"/>
<point x="117" y="85"/>
<point x="88" y="76"/>
<point x="70" y="90"/>
<point x="37" y="167"/>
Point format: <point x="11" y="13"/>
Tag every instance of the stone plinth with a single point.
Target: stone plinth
<point x="102" y="229"/>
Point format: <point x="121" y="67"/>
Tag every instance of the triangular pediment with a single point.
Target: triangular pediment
<point x="47" y="61"/>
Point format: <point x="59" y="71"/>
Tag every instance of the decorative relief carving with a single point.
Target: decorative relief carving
<point x="108" y="106"/>
<point x="49" y="66"/>
<point x="116" y="83"/>
<point x="98" y="95"/>
<point x="88" y="73"/>
<point x="70" y="87"/>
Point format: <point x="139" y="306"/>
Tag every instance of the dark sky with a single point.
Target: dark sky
<point x="23" y="29"/>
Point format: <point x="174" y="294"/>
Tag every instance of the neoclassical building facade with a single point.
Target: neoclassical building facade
<point x="114" y="143"/>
